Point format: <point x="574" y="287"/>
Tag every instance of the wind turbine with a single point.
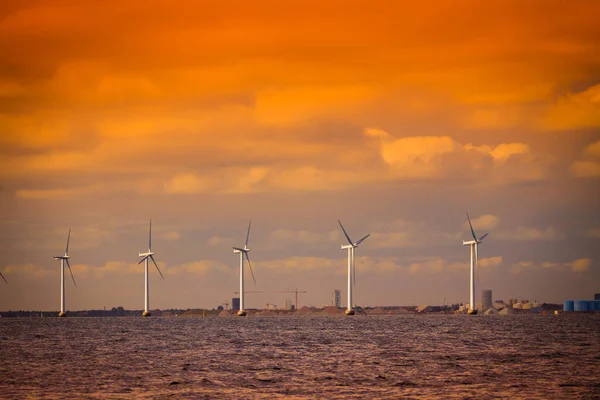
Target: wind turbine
<point x="473" y="245"/>
<point x="148" y="255"/>
<point x="351" y="266"/>
<point x="64" y="259"/>
<point x="244" y="252"/>
<point x="3" y="278"/>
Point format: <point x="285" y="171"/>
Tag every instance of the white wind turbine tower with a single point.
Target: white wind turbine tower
<point x="148" y="255"/>
<point x="351" y="266"/>
<point x="244" y="252"/>
<point x="64" y="259"/>
<point x="473" y="245"/>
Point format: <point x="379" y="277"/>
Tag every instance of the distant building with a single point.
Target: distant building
<point x="486" y="299"/>
<point x="289" y="305"/>
<point x="597" y="296"/>
<point x="235" y="304"/>
<point x="336" y="298"/>
<point x="499" y="305"/>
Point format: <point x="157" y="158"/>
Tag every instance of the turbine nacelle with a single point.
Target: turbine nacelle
<point x="244" y="252"/>
<point x="149" y="254"/>
<point x="66" y="258"/>
<point x="351" y="244"/>
<point x="476" y="240"/>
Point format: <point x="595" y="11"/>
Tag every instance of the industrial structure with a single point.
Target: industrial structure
<point x="486" y="299"/>
<point x="581" y="305"/>
<point x="336" y="298"/>
<point x="292" y="291"/>
<point x="235" y="303"/>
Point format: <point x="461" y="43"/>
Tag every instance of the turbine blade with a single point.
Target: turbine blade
<point x="471" y="226"/>
<point x="68" y="239"/>
<point x="150" y="237"/>
<point x="250" y="265"/>
<point x="361" y="240"/>
<point x="156" y="265"/>
<point x="142" y="260"/>
<point x="248" y="233"/>
<point x="69" y="265"/>
<point x="3" y="278"/>
<point x="482" y="237"/>
<point x="238" y="249"/>
<point x="345" y="234"/>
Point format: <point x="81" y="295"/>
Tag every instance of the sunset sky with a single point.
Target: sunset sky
<point x="394" y="117"/>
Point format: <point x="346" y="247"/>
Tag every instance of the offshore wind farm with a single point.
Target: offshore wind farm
<point x="244" y="257"/>
<point x="299" y="199"/>
<point x="239" y="304"/>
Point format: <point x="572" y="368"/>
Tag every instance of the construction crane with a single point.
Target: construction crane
<point x="292" y="291"/>
<point x="249" y="291"/>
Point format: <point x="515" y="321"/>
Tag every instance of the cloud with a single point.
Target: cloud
<point x="339" y="266"/>
<point x="575" y="111"/>
<point x="227" y="181"/>
<point x="438" y="265"/>
<point x="413" y="157"/>
<point x="171" y="235"/>
<point x="593" y="150"/>
<point x="215" y="241"/>
<point x="490" y="262"/>
<point x="89" y="237"/>
<point x="435" y="266"/>
<point x="109" y="268"/>
<point x="589" y="168"/>
<point x="392" y="240"/>
<point x="435" y="157"/>
<point x="594" y="233"/>
<point x="522" y="233"/>
<point x="580" y="265"/>
<point x="198" y="268"/>
<point x="301" y="236"/>
<point x="29" y="271"/>
<point x="585" y="169"/>
<point x="187" y="183"/>
<point x="57" y="193"/>
<point x="293" y="264"/>
<point x="486" y="222"/>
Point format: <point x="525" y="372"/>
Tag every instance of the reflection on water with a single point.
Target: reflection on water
<point x="524" y="356"/>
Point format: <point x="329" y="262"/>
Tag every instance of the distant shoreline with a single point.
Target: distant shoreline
<point x="303" y="311"/>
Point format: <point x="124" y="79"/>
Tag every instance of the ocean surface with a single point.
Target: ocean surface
<point x="425" y="356"/>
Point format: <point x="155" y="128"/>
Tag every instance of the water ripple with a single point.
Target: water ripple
<point x="522" y="356"/>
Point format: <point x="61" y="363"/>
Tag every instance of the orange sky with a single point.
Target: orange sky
<point x="296" y="113"/>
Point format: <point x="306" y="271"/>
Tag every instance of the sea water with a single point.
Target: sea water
<point x="420" y="356"/>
